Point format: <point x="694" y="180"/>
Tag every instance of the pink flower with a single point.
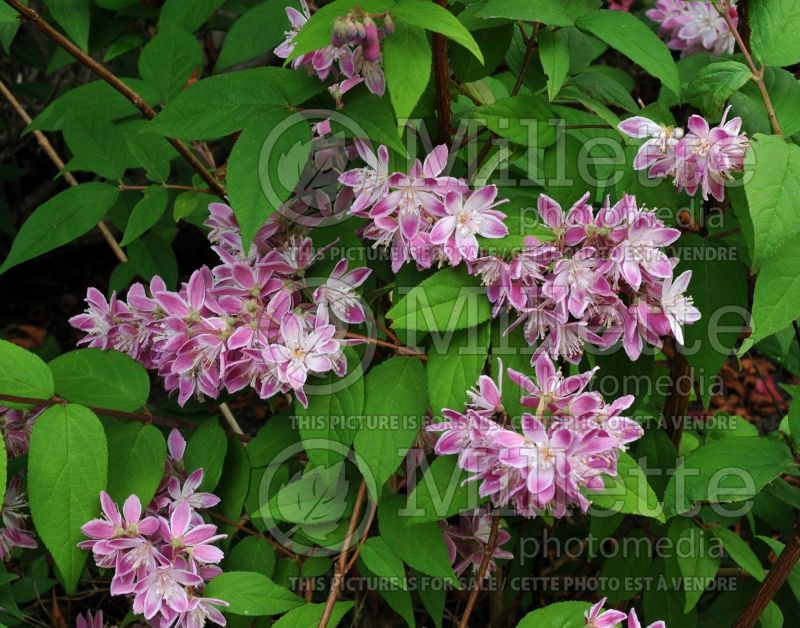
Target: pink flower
<point x="466" y="219"/>
<point x="90" y="620"/>
<point x="677" y="307"/>
<point x="660" y="144"/>
<point x="369" y="183"/>
<point x="466" y="543"/>
<point x="694" y="26"/>
<point x="14" y="532"/>
<point x="633" y="621"/>
<point x="339" y="295"/>
<point x="188" y="492"/>
<point x="17" y="426"/>
<point x="193" y="541"/>
<point x="596" y="617"/>
<point x="163" y="591"/>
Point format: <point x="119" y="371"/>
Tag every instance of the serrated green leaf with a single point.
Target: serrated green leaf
<point x="523" y="120"/>
<point x="106" y="379"/>
<point x="456" y="369"/>
<point x="251" y="594"/>
<point x="714" y="84"/>
<point x="146" y="213"/>
<point x="206" y="449"/>
<point x="136" y="455"/>
<point x="775" y="31"/>
<point x="73" y="17"/>
<point x="395" y="400"/>
<point x="558" y="615"/>
<point x="407" y="65"/>
<point x="63" y="218"/>
<point x="23" y="374"/>
<point x="437" y="19"/>
<point x="554" y="55"/>
<point x="67" y="467"/>
<point x="168" y="60"/>
<point x="633" y="38"/>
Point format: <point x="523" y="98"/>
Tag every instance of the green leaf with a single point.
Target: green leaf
<point x="784" y="91"/>
<point x="146" y="212"/>
<point x="554" y="55"/>
<point x="97" y="98"/>
<point x="136" y="455"/>
<point x="394" y="391"/>
<point x="318" y="496"/>
<point x="252" y="553"/>
<point x="309" y="616"/>
<point x="63" y="218"/>
<point x="188" y="14"/>
<point x="369" y="117"/>
<point x="775" y="31"/>
<point x="277" y="435"/>
<point x="67" y="467"/>
<point x="73" y="17"/>
<point x="149" y="150"/>
<point x="441" y="492"/>
<point x="793" y="580"/>
<point x="550" y="12"/>
<point x="152" y="255"/>
<point x="699" y="566"/>
<point x="252" y="594"/>
<point x="219" y="105"/>
<point x="264" y="166"/>
<point x="604" y="88"/>
<point x="633" y="38"/>
<point x="719" y="290"/>
<point x="106" y="379"/>
<point x="420" y="546"/>
<point x="407" y="64"/>
<point x="434" y="18"/>
<point x="558" y="615"/>
<point x="448" y="300"/>
<point x="523" y="120"/>
<point x="335" y="406"/>
<point x="773" y="185"/>
<point x="740" y="552"/>
<point x="97" y="146"/>
<point x="398" y="599"/>
<point x="206" y="450"/>
<point x="168" y="60"/>
<point x="628" y="492"/>
<point x="23" y="374"/>
<point x="383" y="562"/>
<point x="714" y="84"/>
<point x="776" y="301"/>
<point x="728" y="470"/>
<point x="233" y="486"/>
<point x="257" y="31"/>
<point x="456" y="369"/>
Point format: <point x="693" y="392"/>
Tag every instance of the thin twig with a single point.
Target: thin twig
<point x="230" y="419"/>
<point x="441" y="74"/>
<point x="758" y="72"/>
<point x="382" y="343"/>
<point x="242" y="528"/>
<point x="357" y="552"/>
<point x="488" y="550"/>
<point x="773" y="582"/>
<point x="47" y="147"/>
<point x="340" y="570"/>
<point x="109" y="77"/>
<point x="134" y="416"/>
<point x="530" y="46"/>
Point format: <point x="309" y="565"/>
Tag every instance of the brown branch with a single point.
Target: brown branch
<point x="758" y="72"/>
<point x="677" y="402"/>
<point x="488" y="550"/>
<point x="109" y="77"/>
<point x="373" y="509"/>
<point x="47" y="147"/>
<point x="773" y="582"/>
<point x="441" y="74"/>
<point x="530" y="46"/>
<point x="383" y="343"/>
<point x="340" y="570"/>
<point x="134" y="416"/>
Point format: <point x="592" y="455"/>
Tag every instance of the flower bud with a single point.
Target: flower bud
<point x="388" y="24"/>
<point x="372" y="45"/>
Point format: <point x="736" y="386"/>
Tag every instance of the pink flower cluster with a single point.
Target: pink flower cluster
<point x="567" y="446"/>
<point x="16" y="427"/>
<point x="466" y="542"/>
<point x="598" y="617"/>
<point x="605" y="276"/>
<point x="15" y="532"/>
<point x="252" y="320"/>
<point x="694" y="26"/>
<point x="422" y="215"/>
<point x="163" y="557"/>
<point x="703" y="158"/>
<point x="355" y="47"/>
